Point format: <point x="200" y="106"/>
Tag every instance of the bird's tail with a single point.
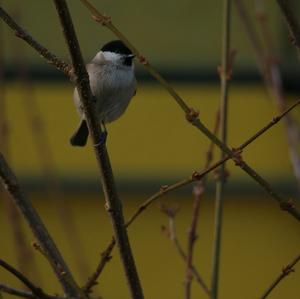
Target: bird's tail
<point x="79" y="138"/>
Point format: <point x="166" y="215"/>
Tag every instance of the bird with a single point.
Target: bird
<point x="113" y="84"/>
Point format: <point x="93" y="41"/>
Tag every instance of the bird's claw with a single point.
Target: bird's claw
<point x="102" y="140"/>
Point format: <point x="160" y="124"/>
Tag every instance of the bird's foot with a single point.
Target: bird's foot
<point x="102" y="140"/>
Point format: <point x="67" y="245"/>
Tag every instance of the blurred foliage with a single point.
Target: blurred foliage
<point x="183" y="35"/>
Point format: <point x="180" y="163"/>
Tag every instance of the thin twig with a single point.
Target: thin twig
<point x="294" y="27"/>
<point x="198" y="191"/>
<point x="284" y="272"/>
<point x="200" y="175"/>
<point x="113" y="201"/>
<point x="170" y="232"/>
<point x="274" y="121"/>
<point x="190" y="113"/>
<point x="59" y="266"/>
<point x="35" y="290"/>
<point x="196" y="176"/>
<point x="44" y="52"/>
<point x="24" y="294"/>
<point x="173" y="237"/>
<point x="105" y="258"/>
<point x="225" y="75"/>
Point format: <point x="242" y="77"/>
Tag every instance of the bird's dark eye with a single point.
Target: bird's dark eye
<point x="128" y="60"/>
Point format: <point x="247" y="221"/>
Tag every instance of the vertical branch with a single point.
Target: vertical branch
<point x="38" y="228"/>
<point x="113" y="202"/>
<point x="225" y="73"/>
<point x="172" y="235"/>
<point x="3" y="123"/>
<point x="3" y="118"/>
<point x="198" y="191"/>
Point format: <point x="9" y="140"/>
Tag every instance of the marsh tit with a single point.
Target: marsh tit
<point x="113" y="84"/>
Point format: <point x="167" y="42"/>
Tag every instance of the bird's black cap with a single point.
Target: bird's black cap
<point x="116" y="46"/>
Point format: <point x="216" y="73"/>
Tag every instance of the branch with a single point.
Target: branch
<point x="113" y="201"/>
<point x="37" y="292"/>
<point x="199" y="190"/>
<point x="285" y="272"/>
<point x="105" y="258"/>
<point x="16" y="292"/>
<point x="25" y="294"/>
<point x="171" y="234"/>
<point x="225" y="74"/>
<point x="190" y="113"/>
<point x="196" y="176"/>
<point x="198" y="193"/>
<point x="291" y="20"/>
<point x="39" y="230"/>
<point x="44" y="52"/>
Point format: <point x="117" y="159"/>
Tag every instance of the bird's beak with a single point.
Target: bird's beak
<point x="131" y="56"/>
